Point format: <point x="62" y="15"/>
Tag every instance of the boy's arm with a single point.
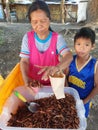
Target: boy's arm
<point x="95" y="89"/>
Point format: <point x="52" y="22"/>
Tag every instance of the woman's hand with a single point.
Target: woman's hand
<point x="32" y="83"/>
<point x="28" y="81"/>
<point x="48" y="70"/>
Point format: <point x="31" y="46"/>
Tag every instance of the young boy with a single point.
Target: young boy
<point x="83" y="70"/>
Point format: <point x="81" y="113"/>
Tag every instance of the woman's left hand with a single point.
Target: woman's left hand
<point x="48" y="70"/>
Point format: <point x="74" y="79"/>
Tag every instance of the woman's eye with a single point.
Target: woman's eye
<point x="43" y="21"/>
<point x="34" y="22"/>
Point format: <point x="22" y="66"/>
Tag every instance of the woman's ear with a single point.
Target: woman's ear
<point x="93" y="46"/>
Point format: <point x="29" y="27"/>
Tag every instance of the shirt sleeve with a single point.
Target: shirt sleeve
<point x="61" y="45"/>
<point x="24" y="53"/>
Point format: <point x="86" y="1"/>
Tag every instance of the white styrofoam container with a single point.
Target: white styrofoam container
<point x="46" y="92"/>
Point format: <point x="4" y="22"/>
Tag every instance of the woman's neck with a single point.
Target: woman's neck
<point x="43" y="36"/>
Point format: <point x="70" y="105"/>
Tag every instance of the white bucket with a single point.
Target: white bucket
<point x="45" y="92"/>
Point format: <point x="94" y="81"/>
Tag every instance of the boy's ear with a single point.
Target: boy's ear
<point x="93" y="46"/>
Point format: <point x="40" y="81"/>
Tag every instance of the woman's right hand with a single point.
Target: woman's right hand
<point x="28" y="82"/>
<point x="32" y="83"/>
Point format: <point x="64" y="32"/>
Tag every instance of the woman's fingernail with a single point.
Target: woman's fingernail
<point x="38" y="73"/>
<point x="45" y="79"/>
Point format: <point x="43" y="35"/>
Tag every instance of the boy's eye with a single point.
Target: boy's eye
<point x="77" y="43"/>
<point x="87" y="44"/>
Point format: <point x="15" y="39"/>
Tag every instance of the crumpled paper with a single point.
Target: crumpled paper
<point x="57" y="83"/>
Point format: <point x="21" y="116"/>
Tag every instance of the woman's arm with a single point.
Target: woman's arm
<point x="64" y="57"/>
<point x="64" y="63"/>
<point x="24" y="65"/>
<point x="65" y="60"/>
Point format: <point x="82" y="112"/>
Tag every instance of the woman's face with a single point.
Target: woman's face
<point x="40" y="22"/>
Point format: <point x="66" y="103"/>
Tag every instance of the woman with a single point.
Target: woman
<point x="43" y="51"/>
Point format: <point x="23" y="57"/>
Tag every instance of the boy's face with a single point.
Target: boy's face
<point x="83" y="46"/>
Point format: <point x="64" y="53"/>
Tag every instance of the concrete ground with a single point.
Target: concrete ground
<point x="10" y="41"/>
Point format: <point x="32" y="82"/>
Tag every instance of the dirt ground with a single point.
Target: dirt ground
<point x="10" y="43"/>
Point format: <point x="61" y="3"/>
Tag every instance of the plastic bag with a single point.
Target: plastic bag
<point x="81" y="13"/>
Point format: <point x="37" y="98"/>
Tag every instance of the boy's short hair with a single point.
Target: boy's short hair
<point x="85" y="32"/>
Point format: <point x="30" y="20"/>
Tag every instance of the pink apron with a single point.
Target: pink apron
<point x="47" y="58"/>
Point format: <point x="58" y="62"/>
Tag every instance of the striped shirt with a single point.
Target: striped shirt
<point x="42" y="45"/>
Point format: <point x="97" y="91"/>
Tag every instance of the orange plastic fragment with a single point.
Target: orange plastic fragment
<point x="13" y="80"/>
